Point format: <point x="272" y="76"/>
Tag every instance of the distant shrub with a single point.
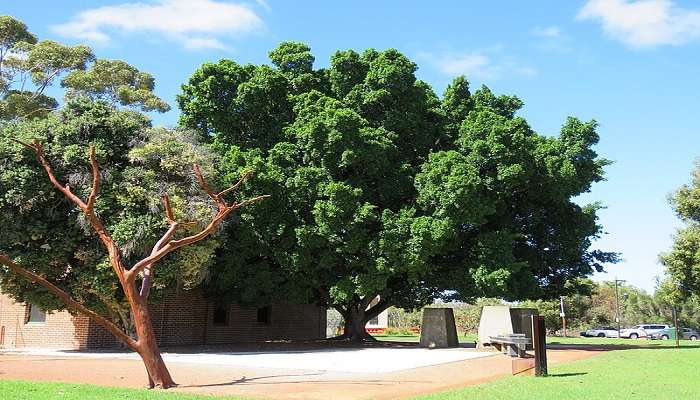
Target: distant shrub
<point x="398" y="331"/>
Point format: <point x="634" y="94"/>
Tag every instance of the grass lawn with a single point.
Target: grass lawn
<point x="643" y="373"/>
<point x="577" y="340"/>
<point x="470" y="338"/>
<point x="24" y="390"/>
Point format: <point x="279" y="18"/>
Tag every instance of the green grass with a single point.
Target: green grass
<point x="643" y="373"/>
<point x="470" y="338"/>
<point x="619" y="342"/>
<point x="25" y="390"/>
<point x="577" y="340"/>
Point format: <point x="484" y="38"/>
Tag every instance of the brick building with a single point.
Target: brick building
<point x="182" y="318"/>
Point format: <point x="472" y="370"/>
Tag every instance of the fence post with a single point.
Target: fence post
<point x="539" y="343"/>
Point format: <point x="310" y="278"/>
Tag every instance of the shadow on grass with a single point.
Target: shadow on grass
<point x="565" y="375"/>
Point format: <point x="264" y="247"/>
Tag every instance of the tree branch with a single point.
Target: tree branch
<point x="166" y="245"/>
<point x="245" y="176"/>
<point x="88" y="208"/>
<point x="377" y="309"/>
<point x="68" y="300"/>
<point x="365" y="301"/>
<point x="95" y="180"/>
<point x="38" y="148"/>
<point x="174" y="226"/>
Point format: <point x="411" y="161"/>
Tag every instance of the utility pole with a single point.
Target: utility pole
<point x="617" y="305"/>
<point x="562" y="314"/>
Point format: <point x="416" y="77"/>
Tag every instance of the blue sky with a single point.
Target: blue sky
<point x="631" y="65"/>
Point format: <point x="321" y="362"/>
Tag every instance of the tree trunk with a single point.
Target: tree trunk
<point x="354" y="330"/>
<point x="147" y="346"/>
<point x="356" y="317"/>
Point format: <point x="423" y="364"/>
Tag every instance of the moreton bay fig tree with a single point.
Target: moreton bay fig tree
<point x="384" y="193"/>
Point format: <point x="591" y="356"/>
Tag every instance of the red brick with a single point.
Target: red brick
<point x="181" y="318"/>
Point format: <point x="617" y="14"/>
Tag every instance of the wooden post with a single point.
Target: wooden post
<point x="676" y="327"/>
<point x="562" y="314"/>
<point x="539" y="343"/>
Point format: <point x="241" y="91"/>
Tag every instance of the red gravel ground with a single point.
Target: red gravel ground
<point x="273" y="383"/>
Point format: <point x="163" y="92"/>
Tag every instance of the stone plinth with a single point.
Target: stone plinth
<point x="438" y="328"/>
<point x="504" y="320"/>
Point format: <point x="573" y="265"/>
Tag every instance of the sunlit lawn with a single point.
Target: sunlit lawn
<point x="24" y="390"/>
<point x="570" y="340"/>
<point x="649" y="372"/>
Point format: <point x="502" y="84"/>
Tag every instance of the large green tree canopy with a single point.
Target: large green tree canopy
<point x="381" y="188"/>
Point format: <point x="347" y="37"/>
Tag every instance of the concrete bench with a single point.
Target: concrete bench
<point x="514" y="344"/>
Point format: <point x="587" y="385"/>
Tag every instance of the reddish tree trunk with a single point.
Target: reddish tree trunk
<point x="158" y="374"/>
<point x="146" y="344"/>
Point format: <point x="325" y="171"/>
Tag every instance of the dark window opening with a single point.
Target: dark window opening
<point x="264" y="315"/>
<point x="36" y="314"/>
<point x="374" y="321"/>
<point x="221" y="314"/>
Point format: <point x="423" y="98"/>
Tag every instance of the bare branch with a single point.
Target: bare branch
<point x="38" y="149"/>
<point x="68" y="300"/>
<point x="168" y="209"/>
<point x="88" y="209"/>
<point x="166" y="245"/>
<point x="245" y="176"/>
<point x="251" y="201"/>
<point x="204" y="185"/>
<point x="95" y="180"/>
<point x="173" y="245"/>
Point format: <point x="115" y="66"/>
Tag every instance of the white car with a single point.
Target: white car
<point x="644" y="330"/>
<point x="606" y="331"/>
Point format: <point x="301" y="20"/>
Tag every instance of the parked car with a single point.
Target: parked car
<point x="643" y="330"/>
<point x="665" y="334"/>
<point x="690" y="334"/>
<point x="605" y="331"/>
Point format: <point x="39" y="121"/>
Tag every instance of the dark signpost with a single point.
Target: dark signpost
<point x="540" y="345"/>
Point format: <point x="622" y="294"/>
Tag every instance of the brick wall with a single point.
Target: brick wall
<point x="182" y="318"/>
<point x="287" y="321"/>
<point x="60" y="330"/>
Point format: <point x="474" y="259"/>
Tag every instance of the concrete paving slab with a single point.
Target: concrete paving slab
<point x="359" y="360"/>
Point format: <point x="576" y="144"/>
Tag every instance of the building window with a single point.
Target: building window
<point x="264" y="315"/>
<point x="221" y="314"/>
<point x="35" y="314"/>
<point x="374" y="321"/>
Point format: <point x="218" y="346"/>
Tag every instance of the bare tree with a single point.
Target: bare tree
<point x="145" y="343"/>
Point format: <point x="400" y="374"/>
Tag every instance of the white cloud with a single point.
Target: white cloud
<point x="482" y="64"/>
<point x="466" y="64"/>
<point x="196" y="24"/>
<point x="547" y="31"/>
<point x="644" y="23"/>
<point x="203" y="43"/>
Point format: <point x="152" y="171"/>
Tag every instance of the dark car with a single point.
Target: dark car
<point x="668" y="333"/>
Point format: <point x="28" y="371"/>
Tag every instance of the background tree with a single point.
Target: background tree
<point x="682" y="262"/>
<point x="593" y="307"/>
<point x="381" y="190"/>
<point x="29" y="66"/>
